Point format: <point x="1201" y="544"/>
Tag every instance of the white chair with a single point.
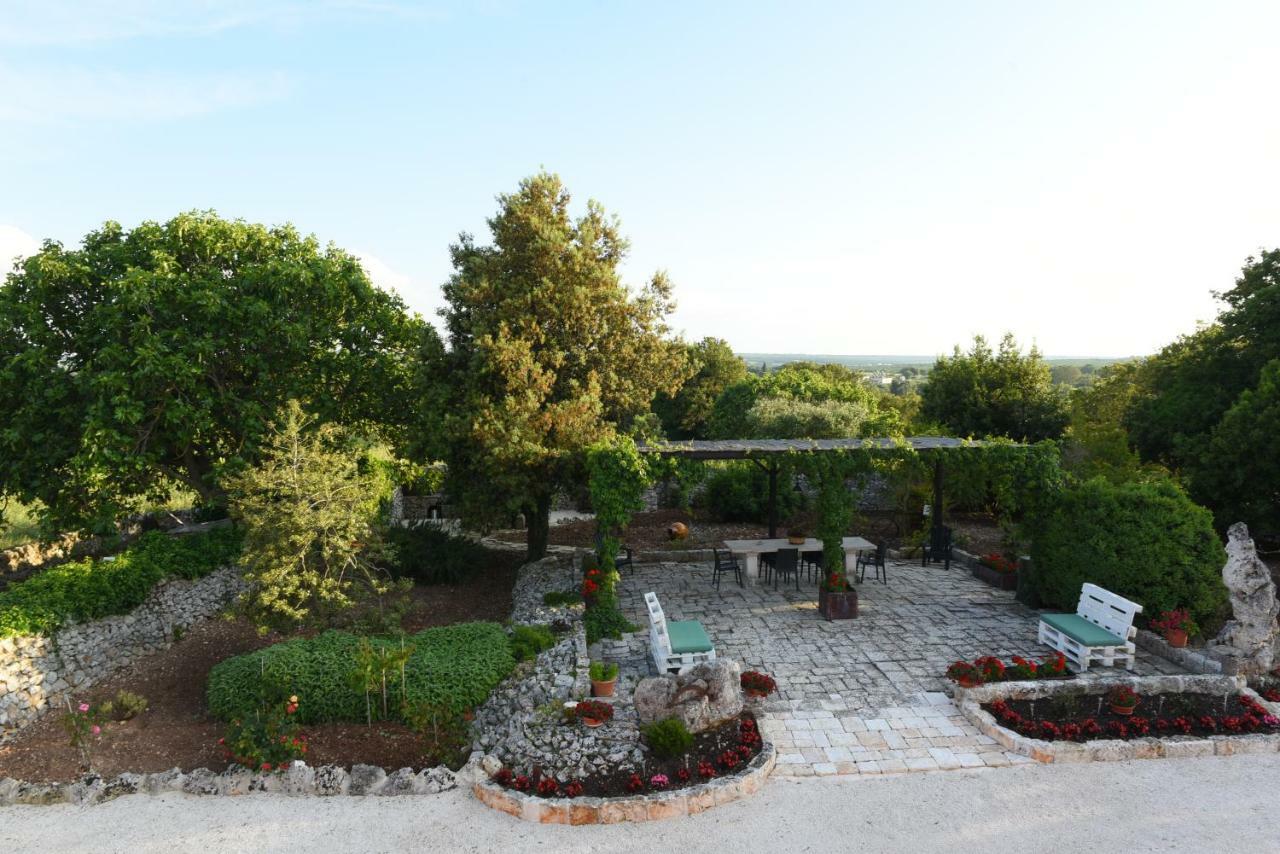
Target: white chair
<point x="1101" y="630"/>
<point x="677" y="645"/>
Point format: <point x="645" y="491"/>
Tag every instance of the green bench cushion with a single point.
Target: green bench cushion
<point x="688" y="636"/>
<point x="1081" y="630"/>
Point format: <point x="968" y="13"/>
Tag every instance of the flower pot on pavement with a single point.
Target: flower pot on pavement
<point x="1176" y="637"/>
<point x="603" y="689"/>
<point x="838" y="605"/>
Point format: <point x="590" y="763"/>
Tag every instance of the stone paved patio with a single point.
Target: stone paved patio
<point x="864" y="696"/>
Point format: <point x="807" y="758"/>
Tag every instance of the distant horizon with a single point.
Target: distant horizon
<point x="909" y="358"/>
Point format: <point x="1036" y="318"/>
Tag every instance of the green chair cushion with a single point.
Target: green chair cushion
<point x="1081" y="630"/>
<point x="688" y="636"/>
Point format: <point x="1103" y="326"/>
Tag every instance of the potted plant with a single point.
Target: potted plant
<point x="1122" y="699"/>
<point x="593" y="713"/>
<point x="1176" y="626"/>
<point x="837" y="600"/>
<point x="757" y="684"/>
<point x="604" y="676"/>
<point x="797" y="536"/>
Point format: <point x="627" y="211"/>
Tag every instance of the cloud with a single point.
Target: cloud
<point x="62" y="94"/>
<point x="15" y="244"/>
<point x="382" y="274"/>
<point x="42" y="22"/>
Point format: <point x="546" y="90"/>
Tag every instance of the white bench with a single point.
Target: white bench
<point x="677" y="645"/>
<point x="1101" y="630"/>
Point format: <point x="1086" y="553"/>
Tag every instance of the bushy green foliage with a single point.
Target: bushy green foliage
<point x="561" y="598"/>
<point x="787" y="418"/>
<point x="453" y="666"/>
<point x="1147" y="542"/>
<point x="443" y="731"/>
<point x="605" y="620"/>
<point x="668" y="739"/>
<point x="89" y="589"/>
<point x="739" y="492"/>
<point x="429" y="555"/>
<point x="603" y="671"/>
<point x="528" y="641"/>
<point x="847" y="401"/>
<point x="687" y="413"/>
<point x="981" y="393"/>
<point x="125" y="705"/>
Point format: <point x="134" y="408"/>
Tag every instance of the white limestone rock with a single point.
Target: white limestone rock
<point x="1253" y="633"/>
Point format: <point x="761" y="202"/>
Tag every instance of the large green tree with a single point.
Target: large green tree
<point x="550" y="353"/>
<point x="155" y="357"/>
<point x="687" y="413"/>
<point x="1000" y="393"/>
<point x="802" y="397"/>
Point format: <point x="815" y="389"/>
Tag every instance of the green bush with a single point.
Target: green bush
<point x="668" y="739"/>
<point x="1147" y="542"/>
<point x="429" y="555"/>
<point x="561" y="598"/>
<point x="528" y="641"/>
<point x="454" y="666"/>
<point x="90" y="589"/>
<point x="605" y="620"/>
<point x="739" y="492"/>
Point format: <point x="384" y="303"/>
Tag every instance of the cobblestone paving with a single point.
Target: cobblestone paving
<point x="865" y="696"/>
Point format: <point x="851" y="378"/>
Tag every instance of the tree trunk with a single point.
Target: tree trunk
<point x="538" y="520"/>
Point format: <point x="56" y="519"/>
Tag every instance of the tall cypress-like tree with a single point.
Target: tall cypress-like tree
<point x="549" y="353"/>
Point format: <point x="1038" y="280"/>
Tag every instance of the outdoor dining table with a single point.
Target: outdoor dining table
<point x="750" y="550"/>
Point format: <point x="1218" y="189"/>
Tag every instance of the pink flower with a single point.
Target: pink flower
<point x="84" y="707"/>
<point x="97" y="730"/>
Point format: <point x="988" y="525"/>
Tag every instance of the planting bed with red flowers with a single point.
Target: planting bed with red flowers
<point x="718" y="752"/>
<point x="1081" y="717"/>
<point x="1268" y="686"/>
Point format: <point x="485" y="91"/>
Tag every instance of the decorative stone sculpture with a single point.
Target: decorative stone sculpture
<point x="702" y="697"/>
<point x="1253" y="634"/>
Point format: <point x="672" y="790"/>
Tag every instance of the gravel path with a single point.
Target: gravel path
<point x="1201" y="805"/>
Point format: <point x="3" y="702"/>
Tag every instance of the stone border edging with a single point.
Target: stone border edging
<point x="650" y="807"/>
<point x="969" y="701"/>
<point x="298" y="779"/>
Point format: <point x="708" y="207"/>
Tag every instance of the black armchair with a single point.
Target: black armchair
<point x="938" y="549"/>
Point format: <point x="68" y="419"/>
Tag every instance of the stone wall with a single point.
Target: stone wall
<point x="37" y="672"/>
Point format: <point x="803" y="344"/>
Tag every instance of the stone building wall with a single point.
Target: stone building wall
<point x="39" y="672"/>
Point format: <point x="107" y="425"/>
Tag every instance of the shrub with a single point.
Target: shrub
<point x="455" y="666"/>
<point x="1145" y="541"/>
<point x="561" y="598"/>
<point x="739" y="492"/>
<point x="89" y="589"/>
<point x="429" y="555"/>
<point x="528" y="641"/>
<point x="267" y="737"/>
<point x="668" y="739"/>
<point x="603" y="671"/>
<point x="605" y="620"/>
<point x="126" y="705"/>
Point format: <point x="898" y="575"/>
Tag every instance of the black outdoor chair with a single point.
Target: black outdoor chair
<point x="812" y="562"/>
<point x="874" y="559"/>
<point x="622" y="559"/>
<point x="724" y="562"/>
<point x="785" y="562"/>
<point x="938" y="548"/>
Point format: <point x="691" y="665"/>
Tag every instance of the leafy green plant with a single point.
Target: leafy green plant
<point x="267" y="738"/>
<point x="605" y="620"/>
<point x="374" y="667"/>
<point x="442" y="729"/>
<point x="528" y="641"/>
<point x="126" y="705"/>
<point x="457" y="666"/>
<point x="83" y="725"/>
<point x="668" y="739"/>
<point x="603" y="671"/>
<point x="89" y="589"/>
<point x="1145" y="541"/>
<point x="429" y="555"/>
<point x="739" y="492"/>
<point x="561" y="598"/>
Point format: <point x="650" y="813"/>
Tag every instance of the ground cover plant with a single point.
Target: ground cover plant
<point x="451" y="666"/>
<point x="429" y="555"/>
<point x="89" y="589"/>
<point x="721" y="751"/>
<point x="1081" y="717"/>
<point x="988" y="668"/>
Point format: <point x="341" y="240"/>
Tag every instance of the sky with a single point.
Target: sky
<point x="841" y="177"/>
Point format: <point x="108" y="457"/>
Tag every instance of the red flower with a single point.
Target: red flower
<point x="266" y="766"/>
<point x="634" y="783"/>
<point x="573" y="788"/>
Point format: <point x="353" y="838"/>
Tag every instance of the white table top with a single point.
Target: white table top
<point x="811" y="544"/>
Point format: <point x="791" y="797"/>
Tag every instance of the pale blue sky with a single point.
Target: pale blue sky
<point x="816" y="177"/>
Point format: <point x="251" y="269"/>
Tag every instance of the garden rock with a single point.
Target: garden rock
<point x="201" y="781"/>
<point x="366" y="779"/>
<point x="402" y="782"/>
<point x="332" y="780"/>
<point x="299" y="779"/>
<point x="433" y="781"/>
<point x="1253" y="633"/>
<point x="703" y="697"/>
<point x="165" y="781"/>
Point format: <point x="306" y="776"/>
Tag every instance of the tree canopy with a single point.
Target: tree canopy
<point x="799" y="398"/>
<point x="1001" y="393"/>
<point x="687" y="413"/>
<point x="550" y="353"/>
<point x="157" y="356"/>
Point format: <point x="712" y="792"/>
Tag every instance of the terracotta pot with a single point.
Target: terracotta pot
<point x="796" y="541"/>
<point x="603" y="689"/>
<point x="1176" y="637"/>
<point x="1122" y="710"/>
<point x="842" y="605"/>
<point x="591" y="722"/>
<point x="969" y="682"/>
<point x="756" y="693"/>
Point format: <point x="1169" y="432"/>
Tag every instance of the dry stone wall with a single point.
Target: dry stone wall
<point x="38" y="672"/>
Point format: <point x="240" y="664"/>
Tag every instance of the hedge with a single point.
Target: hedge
<point x="456" y="666"/>
<point x="93" y="588"/>
<point x="1147" y="542"/>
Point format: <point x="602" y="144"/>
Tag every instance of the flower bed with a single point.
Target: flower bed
<point x="1073" y="720"/>
<point x="997" y="570"/>
<point x="717" y="752"/>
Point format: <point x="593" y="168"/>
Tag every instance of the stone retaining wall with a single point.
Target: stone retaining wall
<point x="37" y="672"/>
<point x="297" y="779"/>
<point x="970" y="701"/>
<point x="651" y="807"/>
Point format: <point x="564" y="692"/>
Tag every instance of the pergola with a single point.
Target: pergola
<point x="765" y="453"/>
